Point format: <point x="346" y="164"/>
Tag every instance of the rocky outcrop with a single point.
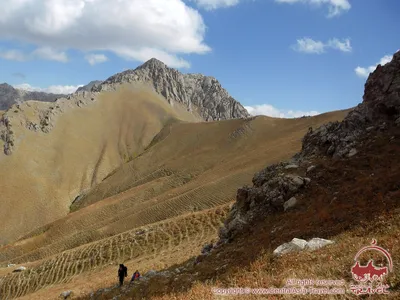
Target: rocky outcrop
<point x="43" y="118"/>
<point x="89" y="86"/>
<point x="271" y="191"/>
<point x="274" y="190"/>
<point x="380" y="108"/>
<point x="203" y="94"/>
<point x="10" y="96"/>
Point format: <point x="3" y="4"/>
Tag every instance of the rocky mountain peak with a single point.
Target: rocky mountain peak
<point x="153" y="63"/>
<point x="201" y="94"/>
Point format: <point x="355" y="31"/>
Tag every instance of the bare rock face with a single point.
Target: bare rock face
<point x="271" y="189"/>
<point x="89" y="86"/>
<point x="195" y="91"/>
<point x="274" y="191"/>
<point x="380" y="108"/>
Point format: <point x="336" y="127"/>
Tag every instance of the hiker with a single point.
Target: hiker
<point x="136" y="275"/>
<point x="122" y="273"/>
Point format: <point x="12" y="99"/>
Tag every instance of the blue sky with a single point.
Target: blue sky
<point x="277" y="57"/>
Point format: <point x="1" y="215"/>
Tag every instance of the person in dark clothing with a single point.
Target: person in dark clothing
<point x="122" y="273"/>
<point x="135" y="276"/>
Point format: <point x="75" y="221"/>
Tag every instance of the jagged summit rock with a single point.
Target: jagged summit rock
<point x="199" y="93"/>
<point x="89" y="86"/>
<point x="153" y="63"/>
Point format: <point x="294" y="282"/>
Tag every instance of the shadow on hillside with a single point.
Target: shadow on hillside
<point x="342" y="195"/>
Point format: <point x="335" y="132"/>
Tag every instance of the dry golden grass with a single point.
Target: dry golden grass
<point x="331" y="263"/>
<point x="155" y="246"/>
<point x="194" y="167"/>
<point x="187" y="168"/>
<point x="48" y="170"/>
<point x="366" y="207"/>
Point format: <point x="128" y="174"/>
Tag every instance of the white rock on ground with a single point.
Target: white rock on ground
<point x="297" y="245"/>
<point x="293" y="246"/>
<point x="317" y="243"/>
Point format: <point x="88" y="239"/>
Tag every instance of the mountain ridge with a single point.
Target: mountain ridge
<point x="198" y="92"/>
<point x="10" y="95"/>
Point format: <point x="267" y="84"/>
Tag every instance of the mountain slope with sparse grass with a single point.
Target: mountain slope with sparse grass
<point x="345" y="181"/>
<point x="189" y="168"/>
<point x="123" y="175"/>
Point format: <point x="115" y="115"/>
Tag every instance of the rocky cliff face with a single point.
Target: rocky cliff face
<point x="203" y="94"/>
<point x="275" y="188"/>
<point x="89" y="86"/>
<point x="380" y="108"/>
<point x="10" y="96"/>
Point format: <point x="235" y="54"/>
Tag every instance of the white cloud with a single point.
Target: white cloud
<point x="94" y="59"/>
<point x="48" y="53"/>
<point x="335" y="7"/>
<point x="214" y="4"/>
<point x="308" y="45"/>
<point x="55" y="89"/>
<point x="128" y="28"/>
<point x="12" y="54"/>
<point x="45" y="53"/>
<point x="364" y="72"/>
<point x="269" y="110"/>
<point x="343" y="46"/>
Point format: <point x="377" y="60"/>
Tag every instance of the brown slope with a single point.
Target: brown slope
<point x="87" y="138"/>
<point x="349" y="200"/>
<point x="192" y="167"/>
<point x="189" y="167"/>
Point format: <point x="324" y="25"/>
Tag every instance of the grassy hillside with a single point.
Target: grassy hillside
<point x="47" y="171"/>
<point x="158" y="208"/>
<point x="350" y="201"/>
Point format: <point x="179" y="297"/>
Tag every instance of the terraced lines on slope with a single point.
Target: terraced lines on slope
<point x="160" y="237"/>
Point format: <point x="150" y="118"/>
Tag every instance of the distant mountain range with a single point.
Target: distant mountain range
<point x="199" y="93"/>
<point x="10" y="96"/>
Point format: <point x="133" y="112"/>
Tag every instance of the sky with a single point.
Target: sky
<point x="281" y="58"/>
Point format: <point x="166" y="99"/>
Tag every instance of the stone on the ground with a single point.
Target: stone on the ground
<point x="20" y="269"/>
<point x="370" y="128"/>
<point x="289" y="204"/>
<point x="310" y="169"/>
<point x="65" y="294"/>
<point x="293" y="246"/>
<point x="352" y="152"/>
<point x="297" y="245"/>
<point x="317" y="243"/>
<point x="291" y="166"/>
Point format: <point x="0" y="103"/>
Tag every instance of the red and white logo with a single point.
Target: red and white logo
<point x="370" y="277"/>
